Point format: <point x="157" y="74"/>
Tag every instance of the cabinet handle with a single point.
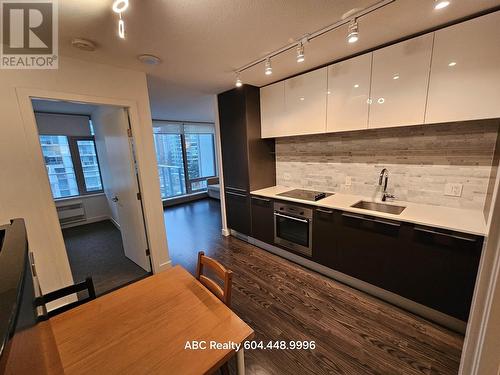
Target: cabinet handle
<point x="236" y="194"/>
<point x="235" y="189"/>
<point x="261" y="199"/>
<point x="430" y="231"/>
<point x="328" y="212"/>
<point x="380" y="221"/>
<point x="291" y="217"/>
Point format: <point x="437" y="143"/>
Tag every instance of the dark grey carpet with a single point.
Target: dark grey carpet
<point x="97" y="250"/>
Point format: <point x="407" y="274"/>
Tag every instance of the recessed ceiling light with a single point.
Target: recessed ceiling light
<point x="453" y="63"/>
<point x="440" y="4"/>
<point x="381" y="100"/>
<point x="302" y="98"/>
<point x="395" y="76"/>
<point x="120" y="6"/>
<point x="149" y="59"/>
<point x="83" y="44"/>
<point x="356" y="86"/>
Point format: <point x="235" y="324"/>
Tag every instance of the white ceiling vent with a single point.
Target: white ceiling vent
<point x="149" y="59"/>
<point x="83" y="44"/>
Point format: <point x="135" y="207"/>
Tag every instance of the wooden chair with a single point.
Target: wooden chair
<point x="87" y="285"/>
<point x="222" y="272"/>
<point x="223" y="294"/>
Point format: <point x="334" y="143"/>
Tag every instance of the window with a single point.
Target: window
<point x="90" y="168"/>
<point x="170" y="164"/>
<point x="186" y="157"/>
<point x="62" y="177"/>
<point x="72" y="165"/>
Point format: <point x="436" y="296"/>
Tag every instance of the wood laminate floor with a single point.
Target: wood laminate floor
<point x="354" y="332"/>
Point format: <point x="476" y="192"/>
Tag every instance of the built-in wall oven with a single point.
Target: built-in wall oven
<point x="293" y="227"/>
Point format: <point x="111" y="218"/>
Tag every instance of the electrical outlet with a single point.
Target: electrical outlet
<point x="348" y="180"/>
<point x="287" y="176"/>
<point x="453" y="189"/>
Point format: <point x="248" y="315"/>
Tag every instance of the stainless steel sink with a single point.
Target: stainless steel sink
<point x="381" y="207"/>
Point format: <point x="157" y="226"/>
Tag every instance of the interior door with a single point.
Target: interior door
<point x="122" y="183"/>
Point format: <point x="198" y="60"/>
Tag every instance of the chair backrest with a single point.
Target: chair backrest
<point x="224" y="294"/>
<point x="87" y="285"/>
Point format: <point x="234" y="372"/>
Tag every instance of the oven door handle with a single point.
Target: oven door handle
<point x="291" y="217"/>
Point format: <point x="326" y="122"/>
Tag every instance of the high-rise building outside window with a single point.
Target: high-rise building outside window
<point x="186" y="157"/>
<point x="72" y="165"/>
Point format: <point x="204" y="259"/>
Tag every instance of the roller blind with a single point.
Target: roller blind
<point x="165" y="127"/>
<point x="62" y="124"/>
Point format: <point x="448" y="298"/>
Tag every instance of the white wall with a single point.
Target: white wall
<point x="481" y="353"/>
<point x="25" y="190"/>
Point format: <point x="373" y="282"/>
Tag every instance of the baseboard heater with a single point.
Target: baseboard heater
<point x="70" y="213"/>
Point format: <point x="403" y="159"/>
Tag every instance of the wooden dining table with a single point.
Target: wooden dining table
<point x="150" y="327"/>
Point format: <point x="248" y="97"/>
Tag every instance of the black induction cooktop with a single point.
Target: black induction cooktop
<point x="307" y="195"/>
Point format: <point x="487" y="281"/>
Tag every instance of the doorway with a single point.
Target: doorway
<point x="90" y="162"/>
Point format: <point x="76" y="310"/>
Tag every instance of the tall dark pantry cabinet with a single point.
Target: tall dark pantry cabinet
<point x="248" y="161"/>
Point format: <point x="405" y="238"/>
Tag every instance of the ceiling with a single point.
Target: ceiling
<point x="202" y="42"/>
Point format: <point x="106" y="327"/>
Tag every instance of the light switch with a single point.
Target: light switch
<point x="286" y="176"/>
<point x="348" y="180"/>
<point x="453" y="189"/>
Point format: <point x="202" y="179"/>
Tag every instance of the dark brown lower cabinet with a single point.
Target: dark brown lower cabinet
<point x="442" y="267"/>
<point x="433" y="267"/>
<point x="369" y="247"/>
<point x="325" y="249"/>
<point x="238" y="211"/>
<point x="262" y="219"/>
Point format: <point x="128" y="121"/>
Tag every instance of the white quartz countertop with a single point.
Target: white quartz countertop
<point x="456" y="219"/>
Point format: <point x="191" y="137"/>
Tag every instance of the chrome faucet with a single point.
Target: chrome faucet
<point x="384" y="177"/>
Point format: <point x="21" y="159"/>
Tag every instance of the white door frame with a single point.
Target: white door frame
<point x="155" y="228"/>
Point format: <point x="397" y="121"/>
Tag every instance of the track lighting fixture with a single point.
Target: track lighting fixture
<point x="440" y="4"/>
<point x="353" y="31"/>
<point x="269" y="68"/>
<point x="351" y="21"/>
<point x="300" y="53"/>
<point x="238" y="83"/>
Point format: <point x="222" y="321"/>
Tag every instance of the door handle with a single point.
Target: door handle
<point x="236" y="194"/>
<point x="114" y="199"/>
<point x="379" y="221"/>
<point x="235" y="189"/>
<point x="458" y="237"/>
<point x="261" y="199"/>
<point x="323" y="211"/>
<point x="291" y="217"/>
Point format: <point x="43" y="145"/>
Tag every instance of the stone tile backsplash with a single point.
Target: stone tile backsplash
<point x="420" y="160"/>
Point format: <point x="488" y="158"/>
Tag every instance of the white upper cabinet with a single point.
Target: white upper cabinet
<point x="400" y="77"/>
<point x="465" y="72"/>
<point x="305" y="103"/>
<point x="272" y="110"/>
<point x="348" y="94"/>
